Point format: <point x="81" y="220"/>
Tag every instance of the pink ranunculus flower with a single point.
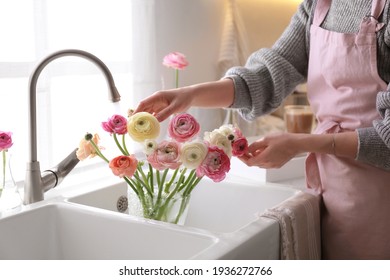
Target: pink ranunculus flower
<point x="239" y="146"/>
<point x="116" y="124"/>
<point x="123" y="166"/>
<point x="215" y="165"/>
<point x="175" y="60"/>
<point x="5" y="140"/>
<point x="183" y="127"/>
<point x="165" y="156"/>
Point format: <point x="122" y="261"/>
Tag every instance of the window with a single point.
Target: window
<point x="71" y="92"/>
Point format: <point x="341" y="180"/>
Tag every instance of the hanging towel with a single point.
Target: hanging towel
<point x="234" y="52"/>
<point x="299" y="222"/>
<point x="234" y="49"/>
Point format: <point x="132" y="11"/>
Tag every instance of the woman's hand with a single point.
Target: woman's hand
<point x="165" y="103"/>
<point x="273" y="151"/>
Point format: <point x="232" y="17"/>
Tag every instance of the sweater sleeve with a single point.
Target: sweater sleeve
<point x="270" y="74"/>
<point x="374" y="142"/>
<point x="372" y="149"/>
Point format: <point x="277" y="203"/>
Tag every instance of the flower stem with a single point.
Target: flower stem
<point x="124" y="144"/>
<point x="128" y="181"/>
<point x="141" y="197"/>
<point x="189" y="179"/>
<point x="191" y="187"/>
<point x="164" y="176"/>
<point x="144" y="178"/>
<point x="176" y="78"/>
<point x="162" y="209"/>
<point x="158" y="178"/>
<point x="124" y="152"/>
<point x="183" y="206"/>
<point x="160" y="187"/>
<point x="4" y="161"/>
<point x="98" y="152"/>
<point x="168" y="185"/>
<point x="151" y="175"/>
<point x="181" y="179"/>
<point x="143" y="183"/>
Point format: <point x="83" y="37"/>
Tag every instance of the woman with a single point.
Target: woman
<point x="341" y="49"/>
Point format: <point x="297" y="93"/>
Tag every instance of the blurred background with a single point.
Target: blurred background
<point x="131" y="37"/>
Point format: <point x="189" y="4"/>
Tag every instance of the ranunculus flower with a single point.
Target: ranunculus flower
<point x="165" y="156"/>
<point x="183" y="127"/>
<point x="226" y="129"/>
<point x="142" y="126"/>
<point x="221" y="140"/>
<point x="237" y="133"/>
<point x="175" y="60"/>
<point x="229" y="131"/>
<point x="116" y="124"/>
<point x="150" y="146"/>
<point x="123" y="166"/>
<point x="5" y="140"/>
<point x="86" y="149"/>
<point x="215" y="165"/>
<point x="193" y="153"/>
<point x="239" y="146"/>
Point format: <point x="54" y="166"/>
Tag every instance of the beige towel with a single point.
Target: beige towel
<point x="299" y="221"/>
<point x="234" y="51"/>
<point x="234" y="48"/>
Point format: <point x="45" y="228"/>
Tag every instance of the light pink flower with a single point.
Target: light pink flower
<point x="116" y="124"/>
<point x="86" y="149"/>
<point x="5" y="140"/>
<point x="175" y="60"/>
<point x="215" y="165"/>
<point x="123" y="166"/>
<point x="183" y="127"/>
<point x="165" y="156"/>
<point x="237" y="133"/>
<point x="239" y="146"/>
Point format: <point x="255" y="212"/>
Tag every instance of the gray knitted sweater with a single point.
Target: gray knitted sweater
<point x="271" y="74"/>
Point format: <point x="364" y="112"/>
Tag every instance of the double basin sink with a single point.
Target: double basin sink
<point x="223" y="222"/>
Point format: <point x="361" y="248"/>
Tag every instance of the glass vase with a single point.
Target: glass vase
<point x="160" y="206"/>
<point x="9" y="196"/>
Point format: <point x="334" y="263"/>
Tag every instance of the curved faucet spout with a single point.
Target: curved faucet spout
<point x="36" y="183"/>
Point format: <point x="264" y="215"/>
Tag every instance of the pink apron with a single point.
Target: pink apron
<point x="342" y="86"/>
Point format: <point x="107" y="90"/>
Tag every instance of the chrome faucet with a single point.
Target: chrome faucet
<point x="36" y="183"/>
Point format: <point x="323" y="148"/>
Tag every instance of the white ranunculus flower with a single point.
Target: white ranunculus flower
<point x="193" y="153"/>
<point x="220" y="140"/>
<point x="226" y="129"/>
<point x="150" y="146"/>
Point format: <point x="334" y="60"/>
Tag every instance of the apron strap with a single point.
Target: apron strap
<point x="321" y="10"/>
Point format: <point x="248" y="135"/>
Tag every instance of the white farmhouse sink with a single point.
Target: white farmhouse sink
<point x="104" y="198"/>
<point x="229" y="210"/>
<point x="219" y="207"/>
<point x="65" y="231"/>
<point x="228" y="206"/>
